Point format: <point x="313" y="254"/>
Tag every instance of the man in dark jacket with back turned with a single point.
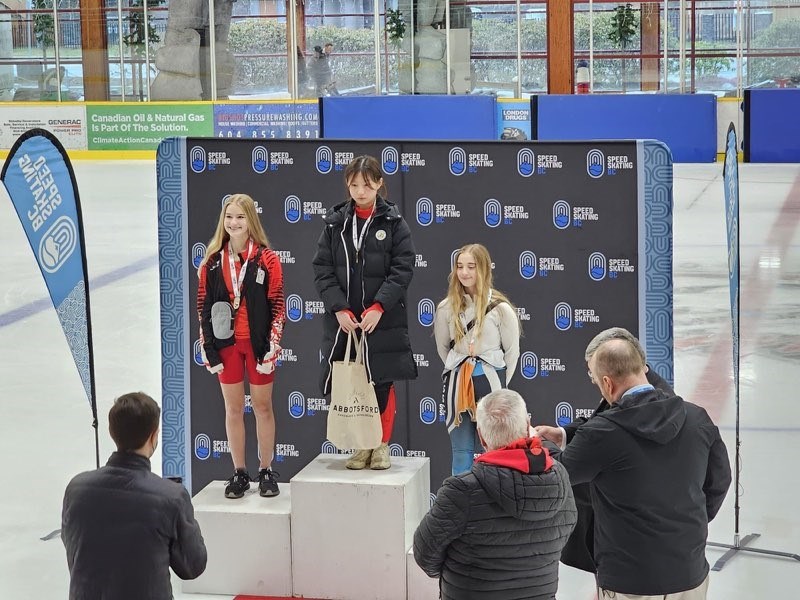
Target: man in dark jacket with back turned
<point x="659" y="472"/>
<point x="496" y="533"/>
<point x="579" y="551"/>
<point x="123" y="526"/>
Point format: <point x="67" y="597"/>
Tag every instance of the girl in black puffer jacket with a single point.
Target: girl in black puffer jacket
<point x="362" y="269"/>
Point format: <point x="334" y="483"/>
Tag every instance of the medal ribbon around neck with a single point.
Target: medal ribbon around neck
<point x="472" y="330"/>
<point x="359" y="240"/>
<point x="238" y="282"/>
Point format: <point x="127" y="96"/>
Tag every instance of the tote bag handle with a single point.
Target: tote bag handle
<point x="360" y="343"/>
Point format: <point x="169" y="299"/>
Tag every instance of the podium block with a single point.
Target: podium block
<point x="420" y="586"/>
<point x="248" y="542"/>
<point x="351" y="529"/>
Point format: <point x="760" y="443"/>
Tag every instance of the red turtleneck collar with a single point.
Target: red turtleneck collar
<point x="364" y="213"/>
<point x="525" y="455"/>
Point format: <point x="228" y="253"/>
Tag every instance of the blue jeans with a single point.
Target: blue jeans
<point x="464" y="440"/>
<point x="465" y="444"/>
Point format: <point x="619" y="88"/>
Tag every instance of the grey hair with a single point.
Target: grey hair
<point x="613" y="333"/>
<point x="502" y="418"/>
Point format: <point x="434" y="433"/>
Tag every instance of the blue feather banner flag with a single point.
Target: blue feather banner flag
<point x="39" y="180"/>
<point x="730" y="177"/>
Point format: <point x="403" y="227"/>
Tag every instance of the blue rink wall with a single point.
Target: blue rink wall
<point x="687" y="123"/>
<point x="772" y="126"/>
<point x="408" y="118"/>
<point x="693" y="126"/>
<point x="633" y="116"/>
<point x="551" y="118"/>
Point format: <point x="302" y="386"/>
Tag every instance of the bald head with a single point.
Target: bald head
<point x="618" y="359"/>
<point x="616" y="365"/>
<point x="613" y="333"/>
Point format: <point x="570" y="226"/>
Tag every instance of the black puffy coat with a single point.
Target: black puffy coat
<point x="385" y="268"/>
<point x="496" y="533"/>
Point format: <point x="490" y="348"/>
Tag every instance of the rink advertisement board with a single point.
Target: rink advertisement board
<point x="579" y="233"/>
<point x="267" y="121"/>
<point x="513" y="120"/>
<point x="143" y="125"/>
<point x="66" y="121"/>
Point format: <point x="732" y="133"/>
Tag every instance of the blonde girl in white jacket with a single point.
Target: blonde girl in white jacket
<point x="477" y="336"/>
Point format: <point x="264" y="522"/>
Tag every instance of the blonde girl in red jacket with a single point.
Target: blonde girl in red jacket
<point x="241" y="309"/>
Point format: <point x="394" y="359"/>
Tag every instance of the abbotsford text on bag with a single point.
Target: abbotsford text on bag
<point x="354" y="420"/>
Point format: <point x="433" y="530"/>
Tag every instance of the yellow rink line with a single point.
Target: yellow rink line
<point x="103" y="154"/>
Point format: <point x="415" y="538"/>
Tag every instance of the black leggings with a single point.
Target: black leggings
<point x="382" y="394"/>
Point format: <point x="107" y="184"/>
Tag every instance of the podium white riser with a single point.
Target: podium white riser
<point x="351" y="530"/>
<point x="248" y="542"/>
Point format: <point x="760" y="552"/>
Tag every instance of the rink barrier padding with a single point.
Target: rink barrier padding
<point x="772" y="126"/>
<point x="424" y="117"/>
<point x="686" y="123"/>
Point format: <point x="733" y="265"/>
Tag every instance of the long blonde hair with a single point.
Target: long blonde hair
<point x="254" y="227"/>
<point x="483" y="285"/>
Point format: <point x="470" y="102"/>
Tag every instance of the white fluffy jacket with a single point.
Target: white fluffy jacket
<point x="497" y="343"/>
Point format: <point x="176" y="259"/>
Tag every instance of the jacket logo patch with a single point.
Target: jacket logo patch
<point x="380" y="234"/>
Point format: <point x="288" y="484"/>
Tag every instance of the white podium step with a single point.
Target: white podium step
<point x="420" y="586"/>
<point x="248" y="542"/>
<point x="351" y="529"/>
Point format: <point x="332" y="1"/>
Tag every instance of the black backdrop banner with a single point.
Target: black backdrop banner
<point x="565" y="224"/>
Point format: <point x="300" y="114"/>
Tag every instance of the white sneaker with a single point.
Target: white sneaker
<point x="380" y="458"/>
<point x="358" y="460"/>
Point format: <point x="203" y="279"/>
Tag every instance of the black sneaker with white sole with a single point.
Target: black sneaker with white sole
<point x="268" y="483"/>
<point x="238" y="484"/>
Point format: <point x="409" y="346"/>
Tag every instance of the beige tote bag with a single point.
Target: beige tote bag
<point x="354" y="421"/>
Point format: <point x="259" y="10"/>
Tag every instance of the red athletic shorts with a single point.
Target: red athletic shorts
<point x="236" y="359"/>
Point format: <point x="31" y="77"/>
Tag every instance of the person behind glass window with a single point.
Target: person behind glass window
<point x="322" y="72"/>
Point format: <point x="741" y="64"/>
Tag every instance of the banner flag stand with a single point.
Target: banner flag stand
<point x="730" y="177"/>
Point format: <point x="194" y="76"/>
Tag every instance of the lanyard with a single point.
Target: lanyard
<point x="469" y="330"/>
<point x="474" y="322"/>
<point x="359" y="240"/>
<point x="238" y="282"/>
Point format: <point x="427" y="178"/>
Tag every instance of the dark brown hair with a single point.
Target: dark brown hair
<point x="369" y="168"/>
<point x="132" y="420"/>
